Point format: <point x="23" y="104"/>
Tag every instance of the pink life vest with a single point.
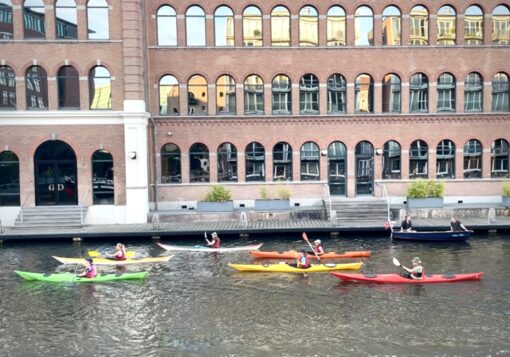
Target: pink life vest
<point x="91" y="271"/>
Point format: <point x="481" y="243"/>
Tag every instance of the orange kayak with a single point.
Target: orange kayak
<point x="291" y="254"/>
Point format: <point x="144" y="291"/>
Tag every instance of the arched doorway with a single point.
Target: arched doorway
<point x="55" y="174"/>
<point x="364" y="168"/>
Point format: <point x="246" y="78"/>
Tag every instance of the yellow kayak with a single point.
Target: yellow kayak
<point x="106" y="261"/>
<point x="285" y="268"/>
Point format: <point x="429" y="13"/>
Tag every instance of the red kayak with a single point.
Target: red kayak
<point x="291" y="254"/>
<point x="398" y="279"/>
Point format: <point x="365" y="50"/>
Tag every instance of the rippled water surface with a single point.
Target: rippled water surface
<point x="195" y="305"/>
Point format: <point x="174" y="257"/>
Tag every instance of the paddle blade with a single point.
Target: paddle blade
<point x="396" y="262"/>
<point x="305" y="237"/>
<point x="94" y="253"/>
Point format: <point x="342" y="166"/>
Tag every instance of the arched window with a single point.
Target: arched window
<point x="98" y="20"/>
<point x="335" y="26"/>
<point x="199" y="166"/>
<point x="224" y="28"/>
<point x="100" y="88"/>
<point x="280" y="27"/>
<point x="391" y="160"/>
<point x="8" y="88"/>
<point x="391" y="27"/>
<point x="500" y="93"/>
<point x="34" y="19"/>
<point x="103" y="186"/>
<point x="364" y="94"/>
<point x="171" y="164"/>
<point x="419" y="93"/>
<point x="36" y="86"/>
<point x="445" y="159"/>
<point x="66" y="20"/>
<point x="282" y="95"/>
<point x="310" y="162"/>
<point x="308" y="26"/>
<point x="253" y="95"/>
<point x="309" y="94"/>
<point x="363" y="26"/>
<point x="255" y="162"/>
<point x="168" y="95"/>
<point x="68" y="83"/>
<point x="195" y="26"/>
<point x="282" y="162"/>
<point x="7" y="32"/>
<point x="391" y="97"/>
<point x="501" y="25"/>
<point x="252" y="27"/>
<point x="166" y="20"/>
<point x="473" y="26"/>
<point x="225" y="95"/>
<point x="9" y="179"/>
<point x="337" y="167"/>
<point x="446" y="93"/>
<point x="418" y="160"/>
<point x="446" y="22"/>
<point x="337" y="97"/>
<point x="473" y="159"/>
<point x="473" y="93"/>
<point x="197" y="95"/>
<point x="419" y="26"/>
<point x="227" y="163"/>
<point x="499" y="159"/>
<point x="364" y="153"/>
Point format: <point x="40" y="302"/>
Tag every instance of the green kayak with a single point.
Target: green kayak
<point x="71" y="278"/>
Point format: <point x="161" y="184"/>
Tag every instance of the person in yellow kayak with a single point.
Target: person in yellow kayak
<point x="215" y="241"/>
<point x="416" y="272"/>
<point x="302" y="260"/>
<point x="119" y="254"/>
<point x="90" y="270"/>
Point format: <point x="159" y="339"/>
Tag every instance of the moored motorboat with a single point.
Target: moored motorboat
<point x="433" y="236"/>
<point x="72" y="278"/>
<point x="285" y="268"/>
<point x="205" y="249"/>
<point x="291" y="254"/>
<point x="106" y="261"/>
<point x="399" y="279"/>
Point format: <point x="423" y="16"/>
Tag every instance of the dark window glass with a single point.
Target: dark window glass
<point x="171" y="164"/>
<point x="391" y="89"/>
<point x="68" y="88"/>
<point x="9" y="179"/>
<point x="499" y="159"/>
<point x="282" y="162"/>
<point x="7" y="88"/>
<point x="473" y="159"/>
<point x="364" y="154"/>
<point x="473" y="93"/>
<point x="6" y="27"/>
<point x="199" y="166"/>
<point x="282" y="95"/>
<point x="103" y="187"/>
<point x="66" y="20"/>
<point x="500" y="93"/>
<point x="391" y="160"/>
<point x="419" y="93"/>
<point x="445" y="159"/>
<point x="309" y="94"/>
<point x="310" y="162"/>
<point x="255" y="162"/>
<point x="337" y="166"/>
<point x="253" y="95"/>
<point x="418" y="160"/>
<point x="337" y="97"/>
<point x="100" y="89"/>
<point x="97" y="20"/>
<point x="446" y="93"/>
<point x="36" y="84"/>
<point x="33" y="19"/>
<point x="227" y="163"/>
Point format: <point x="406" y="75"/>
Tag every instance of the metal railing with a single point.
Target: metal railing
<point x="327" y="200"/>
<point x="23" y="206"/>
<point x="82" y="203"/>
<point x="385" y="195"/>
<point x="1" y="227"/>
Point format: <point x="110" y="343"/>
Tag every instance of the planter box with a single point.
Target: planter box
<point x="429" y="202"/>
<point x="271" y="205"/>
<point x="203" y="206"/>
<point x="505" y="200"/>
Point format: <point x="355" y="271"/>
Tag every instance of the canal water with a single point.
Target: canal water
<point x="196" y="305"/>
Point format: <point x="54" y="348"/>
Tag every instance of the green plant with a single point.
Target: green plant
<point x="264" y="193"/>
<point x="425" y="189"/>
<point x="218" y="193"/>
<point x="283" y="192"/>
<point x="506" y="189"/>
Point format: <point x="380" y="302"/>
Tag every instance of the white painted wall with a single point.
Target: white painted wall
<point x="8" y="215"/>
<point x="106" y="214"/>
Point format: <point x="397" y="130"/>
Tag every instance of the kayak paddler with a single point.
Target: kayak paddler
<point x="90" y="270"/>
<point x="317" y="247"/>
<point x="302" y="260"/>
<point x="119" y="254"/>
<point x="416" y="272"/>
<point x="215" y="241"/>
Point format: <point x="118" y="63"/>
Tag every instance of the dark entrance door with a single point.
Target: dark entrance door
<point x="55" y="174"/>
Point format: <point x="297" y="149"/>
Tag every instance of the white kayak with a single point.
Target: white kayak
<point x="203" y="248"/>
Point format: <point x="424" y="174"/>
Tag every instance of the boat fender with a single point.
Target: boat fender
<point x="448" y="276"/>
<point x="370" y="275"/>
<point x="330" y="265"/>
<point x="267" y="264"/>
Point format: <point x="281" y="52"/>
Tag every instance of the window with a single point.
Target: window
<point x="418" y="160"/>
<point x="255" y="162"/>
<point x="309" y="94"/>
<point x="500" y="93"/>
<point x="253" y="95"/>
<point x="7" y="32"/>
<point x="199" y="163"/>
<point x="473" y="26"/>
<point x="473" y="159"/>
<point x="364" y="154"/>
<point x="68" y="88"/>
<point x="282" y="162"/>
<point x="225" y="95"/>
<point x="282" y="95"/>
<point x="171" y="164"/>
<point x="363" y="26"/>
<point x="310" y="162"/>
<point x="197" y="95"/>
<point x="66" y="20"/>
<point x="335" y="26"/>
<point x="195" y="26"/>
<point x="499" y="159"/>
<point x="446" y="22"/>
<point x="7" y="88"/>
<point x="473" y="93"/>
<point x="446" y="93"/>
<point x="103" y="186"/>
<point x="337" y="166"/>
<point x="391" y="27"/>
<point x="224" y="27"/>
<point x="36" y="86"/>
<point x="391" y="160"/>
<point x="364" y="94"/>
<point x="419" y="93"/>
<point x="34" y="19"/>
<point x="97" y="20"/>
<point x="337" y="99"/>
<point x="168" y="95"/>
<point x="252" y="27"/>
<point x="9" y="179"/>
<point x="308" y="26"/>
<point x="166" y="20"/>
<point x="227" y="163"/>
<point x="445" y="159"/>
<point x="100" y="88"/>
<point x="280" y="27"/>
<point x="391" y="88"/>
<point x="501" y="25"/>
<point x="419" y="26"/>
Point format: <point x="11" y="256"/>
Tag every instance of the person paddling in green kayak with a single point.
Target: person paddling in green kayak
<point x="90" y="270"/>
<point x="215" y="241"/>
<point x="416" y="272"/>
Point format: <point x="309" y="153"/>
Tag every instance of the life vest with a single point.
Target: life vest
<point x="217" y="243"/>
<point x="416" y="275"/>
<point x="319" y="249"/>
<point x="303" y="261"/>
<point x="91" y="271"/>
<point x="120" y="255"/>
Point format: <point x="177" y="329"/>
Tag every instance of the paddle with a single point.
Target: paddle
<point x="305" y="237"/>
<point x="96" y="254"/>
<point x="397" y="263"/>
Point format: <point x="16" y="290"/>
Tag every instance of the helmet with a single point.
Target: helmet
<point x="416" y="260"/>
<point x="318" y="241"/>
<point x="214" y="234"/>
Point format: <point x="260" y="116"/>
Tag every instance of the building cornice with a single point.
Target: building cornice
<point x="41" y="118"/>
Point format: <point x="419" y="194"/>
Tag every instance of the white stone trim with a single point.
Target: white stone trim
<point x="44" y="118"/>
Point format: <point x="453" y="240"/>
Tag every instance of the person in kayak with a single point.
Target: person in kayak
<point x="90" y="270"/>
<point x="317" y="247"/>
<point x="416" y="272"/>
<point x="456" y="225"/>
<point x="406" y="224"/>
<point x="119" y="254"/>
<point x="215" y="241"/>
<point x="302" y="261"/>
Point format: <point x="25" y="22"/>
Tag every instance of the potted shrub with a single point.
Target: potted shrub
<point x="505" y="198"/>
<point x="217" y="199"/>
<point x="266" y="203"/>
<point x="425" y="194"/>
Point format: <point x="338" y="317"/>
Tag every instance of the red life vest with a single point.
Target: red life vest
<point x="303" y="261"/>
<point x="217" y="243"/>
<point x="119" y="255"/>
<point x="319" y="249"/>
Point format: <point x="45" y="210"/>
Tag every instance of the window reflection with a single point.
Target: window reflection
<point x="335" y="26"/>
<point x="419" y="26"/>
<point x="224" y="26"/>
<point x="197" y="96"/>
<point x="364" y="94"/>
<point x="308" y="27"/>
<point x="337" y="94"/>
<point x="199" y="166"/>
<point x="98" y="20"/>
<point x="473" y="26"/>
<point x="473" y="93"/>
<point x="418" y="160"/>
<point x="33" y="19"/>
<point x="280" y="27"/>
<point x="501" y="25"/>
<point x="446" y="93"/>
<point x="168" y="95"/>
<point x="337" y="166"/>
<point x="36" y="86"/>
<point x="227" y="163"/>
<point x="195" y="26"/>
<point x="391" y="160"/>
<point x="282" y="95"/>
<point x="500" y="93"/>
<point x="282" y="162"/>
<point x="499" y="159"/>
<point x="473" y="159"/>
<point x="309" y="94"/>
<point x="103" y="185"/>
<point x="255" y="162"/>
<point x="171" y="164"/>
<point x="391" y="26"/>
<point x="166" y="19"/>
<point x="66" y="20"/>
<point x="225" y="95"/>
<point x="9" y="179"/>
<point x="252" y="27"/>
<point x="446" y="26"/>
<point x="100" y="89"/>
<point x="310" y="162"/>
<point x="391" y="97"/>
<point x="363" y="26"/>
<point x="6" y="26"/>
<point x="419" y="93"/>
<point x="253" y="95"/>
<point x="7" y="88"/>
<point x="445" y="159"/>
<point x="68" y="83"/>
